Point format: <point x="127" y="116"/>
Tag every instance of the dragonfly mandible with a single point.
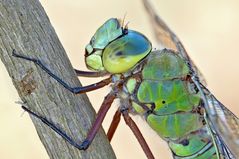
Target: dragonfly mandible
<point x="163" y="86"/>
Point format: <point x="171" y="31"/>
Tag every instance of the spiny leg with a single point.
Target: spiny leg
<point x="75" y="90"/>
<point x="129" y="121"/>
<point x="93" y="131"/>
<point x="114" y="124"/>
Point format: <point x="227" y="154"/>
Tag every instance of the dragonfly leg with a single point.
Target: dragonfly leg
<point x="114" y="124"/>
<point x="75" y="90"/>
<point x="89" y="74"/>
<point x="129" y="121"/>
<point x="54" y="128"/>
<point x="93" y="131"/>
<point x="99" y="118"/>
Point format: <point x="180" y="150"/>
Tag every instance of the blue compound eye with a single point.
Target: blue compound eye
<point x="125" y="52"/>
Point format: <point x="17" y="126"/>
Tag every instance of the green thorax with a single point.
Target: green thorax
<point x="164" y="84"/>
<point x="168" y="100"/>
<point x="166" y="91"/>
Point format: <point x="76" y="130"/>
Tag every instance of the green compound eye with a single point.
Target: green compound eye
<point x="105" y="34"/>
<point x="108" y="32"/>
<point x="123" y="53"/>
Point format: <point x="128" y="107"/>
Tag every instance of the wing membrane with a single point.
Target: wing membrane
<point x="224" y="151"/>
<point x="224" y="123"/>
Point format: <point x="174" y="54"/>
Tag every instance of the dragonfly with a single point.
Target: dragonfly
<point x="163" y="86"/>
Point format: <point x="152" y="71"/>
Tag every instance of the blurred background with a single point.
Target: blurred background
<point x="208" y="30"/>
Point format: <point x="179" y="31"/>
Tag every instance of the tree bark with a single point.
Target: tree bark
<point x="25" y="27"/>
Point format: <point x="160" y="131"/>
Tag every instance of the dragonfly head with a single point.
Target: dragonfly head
<point x="115" y="49"/>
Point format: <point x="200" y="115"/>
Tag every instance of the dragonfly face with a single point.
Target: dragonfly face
<point x="115" y="49"/>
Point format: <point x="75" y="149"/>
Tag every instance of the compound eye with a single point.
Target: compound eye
<point x="106" y="33"/>
<point x="125" y="52"/>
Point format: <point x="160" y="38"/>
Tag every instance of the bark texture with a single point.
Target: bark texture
<point x="25" y="27"/>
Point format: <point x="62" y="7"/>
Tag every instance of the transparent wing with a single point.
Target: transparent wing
<point x="224" y="151"/>
<point x="224" y="124"/>
<point x="167" y="39"/>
